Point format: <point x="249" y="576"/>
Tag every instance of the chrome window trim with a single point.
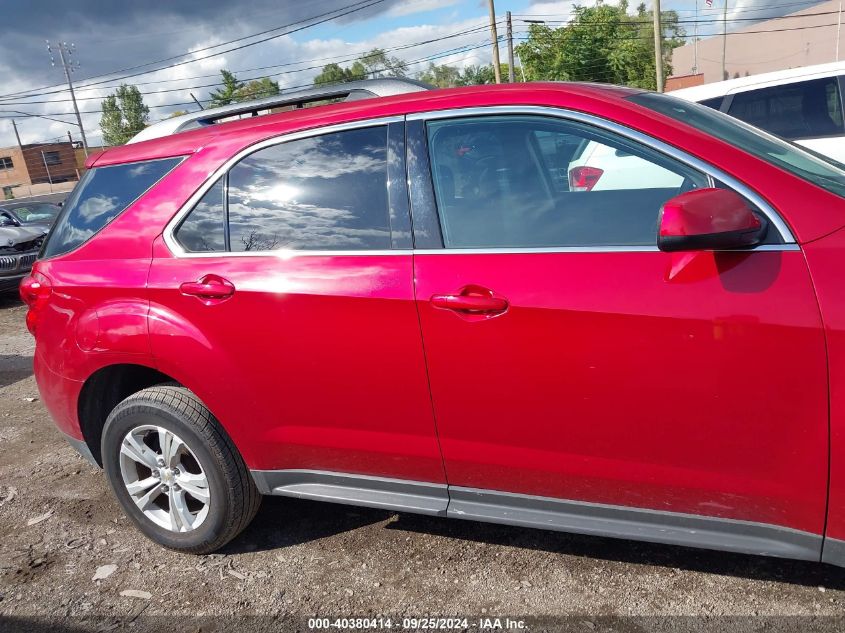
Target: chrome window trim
<point x="712" y="172"/>
<point x="771" y="214"/>
<point x="176" y="248"/>
<point x="584" y="249"/>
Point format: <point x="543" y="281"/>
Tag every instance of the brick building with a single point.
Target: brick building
<point x="37" y="164"/>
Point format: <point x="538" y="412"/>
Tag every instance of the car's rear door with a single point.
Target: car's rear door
<point x="570" y="359"/>
<point x="284" y="297"/>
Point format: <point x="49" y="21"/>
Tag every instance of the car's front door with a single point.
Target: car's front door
<point x="571" y="359"/>
<point x="284" y="298"/>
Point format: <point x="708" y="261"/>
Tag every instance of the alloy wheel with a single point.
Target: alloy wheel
<point x="164" y="478"/>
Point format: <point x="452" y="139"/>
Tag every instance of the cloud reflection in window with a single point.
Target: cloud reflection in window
<point x="327" y="192"/>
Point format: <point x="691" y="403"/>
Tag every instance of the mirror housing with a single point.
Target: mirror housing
<point x="708" y="219"/>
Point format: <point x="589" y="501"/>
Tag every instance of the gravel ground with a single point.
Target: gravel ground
<point x="68" y="557"/>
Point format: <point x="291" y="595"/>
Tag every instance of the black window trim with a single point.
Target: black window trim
<point x="840" y="82"/>
<point x="423" y="206"/>
<point x="398" y="210"/>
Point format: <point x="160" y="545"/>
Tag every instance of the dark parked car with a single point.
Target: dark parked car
<point x="26" y="213"/>
<point x="23" y="226"/>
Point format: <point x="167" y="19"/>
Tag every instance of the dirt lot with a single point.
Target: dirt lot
<point x="59" y="527"/>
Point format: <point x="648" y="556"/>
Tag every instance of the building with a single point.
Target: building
<point x="48" y="163"/>
<point x="803" y="38"/>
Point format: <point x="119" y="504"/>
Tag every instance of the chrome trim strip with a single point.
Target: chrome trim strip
<point x="655" y="526"/>
<point x="675" y="153"/>
<point x="652" y="142"/>
<point x="358" y="490"/>
<point x="177" y="250"/>
<point x="583" y="249"/>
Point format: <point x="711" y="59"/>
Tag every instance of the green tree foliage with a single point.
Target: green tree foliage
<point x="335" y="74"/>
<point x="234" y="91"/>
<point x="177" y="113"/>
<point x="602" y="43"/>
<point x="375" y="63"/>
<point x="226" y="94"/>
<point x="257" y="89"/>
<point x="444" y="76"/>
<point x="124" y="115"/>
<point x="378" y="64"/>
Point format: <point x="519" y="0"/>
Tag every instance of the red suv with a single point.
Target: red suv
<point x="409" y="303"/>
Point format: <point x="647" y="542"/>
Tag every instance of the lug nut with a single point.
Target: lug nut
<point x="156" y="474"/>
<point x="160" y="461"/>
<point x="163" y="488"/>
<point x="176" y="472"/>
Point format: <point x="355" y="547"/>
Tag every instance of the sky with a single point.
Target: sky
<point x="114" y="35"/>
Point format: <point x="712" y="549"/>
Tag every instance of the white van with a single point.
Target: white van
<point x="803" y="105"/>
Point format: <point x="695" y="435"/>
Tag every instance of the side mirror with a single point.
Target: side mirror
<point x="708" y="219"/>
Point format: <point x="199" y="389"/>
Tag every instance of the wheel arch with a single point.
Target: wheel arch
<point x="104" y="390"/>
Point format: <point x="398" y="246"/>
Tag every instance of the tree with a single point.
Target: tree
<point x="375" y="63"/>
<point x="444" y="76"/>
<point x="124" y="115"/>
<point x="602" y="43"/>
<point x="257" y="89"/>
<point x="226" y="94"/>
<point x="177" y="113"/>
<point x="378" y="64"/>
<point x="335" y="74"/>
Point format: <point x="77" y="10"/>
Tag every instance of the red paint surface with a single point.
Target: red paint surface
<point x="692" y="383"/>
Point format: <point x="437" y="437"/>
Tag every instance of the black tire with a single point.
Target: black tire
<point x="234" y="499"/>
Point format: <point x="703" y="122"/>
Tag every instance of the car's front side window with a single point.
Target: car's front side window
<point x="532" y="181"/>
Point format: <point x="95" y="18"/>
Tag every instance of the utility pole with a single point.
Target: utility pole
<point x="68" y="65"/>
<point x="70" y="140"/>
<point x="695" y="41"/>
<point x="20" y="147"/>
<point x="495" y="37"/>
<point x="724" y="39"/>
<point x="658" y="46"/>
<point x="511" y="77"/>
<point x="49" y="177"/>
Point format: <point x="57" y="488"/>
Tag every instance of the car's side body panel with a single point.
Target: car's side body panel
<point x="696" y="386"/>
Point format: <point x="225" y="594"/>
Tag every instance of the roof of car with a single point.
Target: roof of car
<point x="575" y="95"/>
<point x="777" y="78"/>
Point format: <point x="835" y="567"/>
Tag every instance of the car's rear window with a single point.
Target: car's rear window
<point x="102" y="195"/>
<point x="821" y="171"/>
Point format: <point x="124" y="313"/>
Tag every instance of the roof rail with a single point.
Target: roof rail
<point x="350" y="91"/>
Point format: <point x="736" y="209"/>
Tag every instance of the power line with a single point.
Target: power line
<point x="428" y="58"/>
<point x="681" y="21"/>
<point x="334" y="14"/>
<point x="340" y="58"/>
